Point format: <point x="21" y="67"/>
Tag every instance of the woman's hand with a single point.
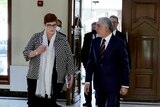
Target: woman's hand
<point x="41" y="49"/>
<point x="38" y="51"/>
<point x="71" y="81"/>
<point x="86" y="88"/>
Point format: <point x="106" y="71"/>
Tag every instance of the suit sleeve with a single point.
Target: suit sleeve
<point x="127" y="48"/>
<point x="124" y="58"/>
<point x="85" y="51"/>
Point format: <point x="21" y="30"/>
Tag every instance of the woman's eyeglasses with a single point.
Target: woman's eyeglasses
<point x="51" y="25"/>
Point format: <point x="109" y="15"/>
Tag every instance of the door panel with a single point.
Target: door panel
<point x="141" y="21"/>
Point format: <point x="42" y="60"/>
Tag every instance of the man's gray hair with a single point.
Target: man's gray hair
<point x="106" y="21"/>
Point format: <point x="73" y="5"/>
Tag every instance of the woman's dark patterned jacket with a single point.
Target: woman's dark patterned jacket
<point x="63" y="54"/>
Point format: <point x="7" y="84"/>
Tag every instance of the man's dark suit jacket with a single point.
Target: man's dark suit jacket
<point x="114" y="70"/>
<point x="123" y="37"/>
<point x="86" y="48"/>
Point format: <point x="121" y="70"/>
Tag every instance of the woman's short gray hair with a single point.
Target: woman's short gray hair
<point x="106" y="21"/>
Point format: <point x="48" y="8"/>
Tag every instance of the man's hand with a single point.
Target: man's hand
<point x="123" y="91"/>
<point x="86" y="88"/>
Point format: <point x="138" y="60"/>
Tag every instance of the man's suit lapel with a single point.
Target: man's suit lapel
<point x="117" y="33"/>
<point x="97" y="47"/>
<point x="108" y="49"/>
<point x="110" y="45"/>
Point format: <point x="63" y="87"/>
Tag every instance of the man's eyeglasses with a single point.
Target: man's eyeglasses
<point x="51" y="25"/>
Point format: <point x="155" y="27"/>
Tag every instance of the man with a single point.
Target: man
<point x="115" y="22"/>
<point x="59" y="26"/>
<point x="84" y="57"/>
<point x="86" y="44"/>
<point x="108" y="60"/>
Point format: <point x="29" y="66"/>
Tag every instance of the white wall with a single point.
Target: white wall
<point x="27" y="19"/>
<point x="18" y="81"/>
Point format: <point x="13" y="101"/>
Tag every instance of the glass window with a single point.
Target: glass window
<point x="3" y="37"/>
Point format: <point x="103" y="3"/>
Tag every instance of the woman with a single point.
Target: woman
<point x="50" y="61"/>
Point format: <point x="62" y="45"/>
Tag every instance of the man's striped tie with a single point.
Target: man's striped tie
<point x="102" y="49"/>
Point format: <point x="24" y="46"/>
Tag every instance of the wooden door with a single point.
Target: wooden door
<point x="141" y="21"/>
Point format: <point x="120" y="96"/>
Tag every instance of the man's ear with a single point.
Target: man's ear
<point x="107" y="28"/>
<point x="117" y="23"/>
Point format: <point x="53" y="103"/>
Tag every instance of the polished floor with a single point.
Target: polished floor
<point x="21" y="102"/>
<point x="16" y="102"/>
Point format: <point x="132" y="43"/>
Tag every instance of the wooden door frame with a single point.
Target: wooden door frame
<point x="71" y="17"/>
